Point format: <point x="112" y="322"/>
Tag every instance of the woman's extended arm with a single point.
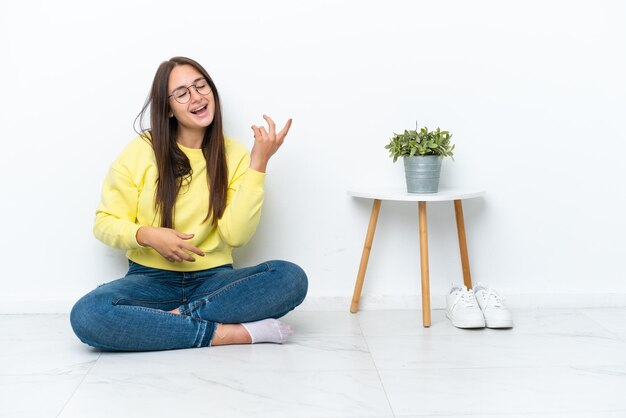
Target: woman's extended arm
<point x="246" y="191"/>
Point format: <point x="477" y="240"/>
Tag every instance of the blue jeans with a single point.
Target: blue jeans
<point x="130" y="314"/>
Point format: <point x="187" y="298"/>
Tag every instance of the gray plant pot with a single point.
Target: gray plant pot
<point x="422" y="173"/>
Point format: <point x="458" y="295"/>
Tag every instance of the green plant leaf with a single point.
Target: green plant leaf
<point x="420" y="141"/>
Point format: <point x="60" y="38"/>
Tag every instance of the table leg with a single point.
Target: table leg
<point x="460" y="227"/>
<point x="358" y="286"/>
<point x="424" y="264"/>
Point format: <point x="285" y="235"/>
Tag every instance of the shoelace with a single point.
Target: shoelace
<point x="497" y="301"/>
<point x="468" y="298"/>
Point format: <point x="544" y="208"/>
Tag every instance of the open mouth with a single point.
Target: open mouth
<point x="199" y="110"/>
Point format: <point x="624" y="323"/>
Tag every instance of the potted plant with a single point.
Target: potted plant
<point x="422" y="151"/>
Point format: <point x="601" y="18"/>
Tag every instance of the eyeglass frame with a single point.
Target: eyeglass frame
<point x="188" y="88"/>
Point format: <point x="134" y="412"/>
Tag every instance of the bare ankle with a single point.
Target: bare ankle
<point x="226" y="334"/>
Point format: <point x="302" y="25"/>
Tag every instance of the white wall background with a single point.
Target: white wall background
<point x="533" y="91"/>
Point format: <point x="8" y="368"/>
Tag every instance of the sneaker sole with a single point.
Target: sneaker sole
<point x="467" y="324"/>
<point x="499" y="324"/>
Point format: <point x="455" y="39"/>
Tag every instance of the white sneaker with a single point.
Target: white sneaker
<point x="496" y="314"/>
<point x="462" y="310"/>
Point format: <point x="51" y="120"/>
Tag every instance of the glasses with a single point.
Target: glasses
<point x="182" y="94"/>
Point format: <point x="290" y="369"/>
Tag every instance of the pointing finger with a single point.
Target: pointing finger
<point x="284" y="131"/>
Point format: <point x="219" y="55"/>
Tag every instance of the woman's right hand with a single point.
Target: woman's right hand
<point x="266" y="143"/>
<point x="171" y="244"/>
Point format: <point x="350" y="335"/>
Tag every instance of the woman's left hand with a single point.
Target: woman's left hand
<point x="266" y="143"/>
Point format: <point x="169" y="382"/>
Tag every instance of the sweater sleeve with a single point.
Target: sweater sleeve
<point x="116" y="215"/>
<point x="243" y="204"/>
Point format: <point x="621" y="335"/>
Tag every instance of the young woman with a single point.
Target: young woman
<point x="179" y="198"/>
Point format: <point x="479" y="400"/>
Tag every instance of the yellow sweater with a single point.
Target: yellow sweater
<point x="128" y="203"/>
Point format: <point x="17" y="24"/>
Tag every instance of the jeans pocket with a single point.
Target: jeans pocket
<point x="146" y="303"/>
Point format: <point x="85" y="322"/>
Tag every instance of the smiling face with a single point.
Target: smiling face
<point x="197" y="113"/>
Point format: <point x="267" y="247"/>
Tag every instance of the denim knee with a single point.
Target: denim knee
<point x="295" y="283"/>
<point x="79" y="317"/>
<point x="85" y="314"/>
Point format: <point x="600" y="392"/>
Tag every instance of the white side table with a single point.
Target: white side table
<point x="398" y="194"/>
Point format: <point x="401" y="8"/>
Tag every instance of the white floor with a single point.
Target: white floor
<point x="554" y="363"/>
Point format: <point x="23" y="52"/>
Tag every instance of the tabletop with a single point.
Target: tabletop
<point x="400" y="194"/>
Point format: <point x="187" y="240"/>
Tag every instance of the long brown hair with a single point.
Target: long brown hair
<point x="173" y="165"/>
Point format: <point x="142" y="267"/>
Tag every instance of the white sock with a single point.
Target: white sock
<point x="268" y="331"/>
